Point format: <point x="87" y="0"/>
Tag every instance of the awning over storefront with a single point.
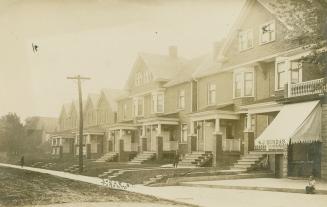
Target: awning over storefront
<point x="295" y="123"/>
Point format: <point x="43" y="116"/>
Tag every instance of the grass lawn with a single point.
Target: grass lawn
<point x="20" y="187"/>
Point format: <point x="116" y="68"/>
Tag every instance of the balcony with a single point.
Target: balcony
<point x="313" y="87"/>
<point x="231" y="145"/>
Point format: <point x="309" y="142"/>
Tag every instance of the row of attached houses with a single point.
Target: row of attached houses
<point x="254" y="94"/>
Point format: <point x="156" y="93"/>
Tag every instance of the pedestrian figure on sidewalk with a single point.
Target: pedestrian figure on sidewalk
<point x="310" y="189"/>
<point x="22" y="161"/>
<point x="176" y="159"/>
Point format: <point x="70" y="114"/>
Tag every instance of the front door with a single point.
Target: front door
<point x="193" y="143"/>
<point x="110" y="146"/>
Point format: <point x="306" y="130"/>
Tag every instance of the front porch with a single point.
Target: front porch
<point x="62" y="145"/>
<point x="215" y="132"/>
<point x="159" y="135"/>
<point x="123" y="139"/>
<point x="93" y="144"/>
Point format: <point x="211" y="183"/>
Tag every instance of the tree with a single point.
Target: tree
<point x="11" y="134"/>
<point x="306" y="21"/>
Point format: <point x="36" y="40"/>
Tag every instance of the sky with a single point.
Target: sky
<point x="95" y="38"/>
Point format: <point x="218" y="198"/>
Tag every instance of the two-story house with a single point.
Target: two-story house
<point x="62" y="141"/>
<point x="152" y="116"/>
<point x="269" y="93"/>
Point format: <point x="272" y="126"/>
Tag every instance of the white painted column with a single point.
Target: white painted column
<point x="217" y="125"/>
<point x="120" y="133"/>
<point x="289" y="77"/>
<point x="159" y="130"/>
<point x="248" y="123"/>
<point x="143" y="130"/>
<point x="204" y="135"/>
<point x="192" y="127"/>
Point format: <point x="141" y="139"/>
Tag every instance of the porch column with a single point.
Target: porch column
<point x="88" y="146"/>
<point x="143" y="131"/>
<point x="159" y="143"/>
<point x="289" y="78"/>
<point x="159" y="130"/>
<point x="248" y="141"/>
<point x="218" y="144"/>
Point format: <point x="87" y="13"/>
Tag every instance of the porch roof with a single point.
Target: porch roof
<point x="159" y="120"/>
<point x="214" y="114"/>
<point x="259" y="108"/>
<point x="295" y="123"/>
<point x="123" y="126"/>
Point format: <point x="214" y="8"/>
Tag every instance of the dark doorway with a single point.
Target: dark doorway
<point x="193" y="143"/>
<point x="144" y="144"/>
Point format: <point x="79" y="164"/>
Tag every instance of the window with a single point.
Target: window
<point x="248" y="83"/>
<point x="267" y="32"/>
<point x="244" y="83"/>
<point x="181" y="99"/>
<point x="253" y="124"/>
<point x="281" y="75"/>
<point x="211" y="93"/>
<point x="157" y="103"/>
<point x="238" y="85"/>
<point x="142" y="77"/>
<point x="295" y="72"/>
<point x="125" y="111"/>
<point x="138" y="106"/>
<point x="245" y="40"/>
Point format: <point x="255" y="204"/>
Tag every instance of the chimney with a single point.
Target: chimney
<point x="216" y="48"/>
<point x="173" y="52"/>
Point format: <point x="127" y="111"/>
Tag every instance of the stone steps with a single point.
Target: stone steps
<point x="195" y="159"/>
<point x="142" y="157"/>
<point x="110" y="156"/>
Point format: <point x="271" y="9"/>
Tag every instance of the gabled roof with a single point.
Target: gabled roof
<point x="162" y="67"/>
<point x="112" y="95"/>
<point x="285" y="10"/>
<point x="186" y="73"/>
<point x="282" y="10"/>
<point x="65" y="108"/>
<point x="93" y="98"/>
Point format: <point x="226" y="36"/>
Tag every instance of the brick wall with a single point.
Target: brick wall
<point x="324" y="143"/>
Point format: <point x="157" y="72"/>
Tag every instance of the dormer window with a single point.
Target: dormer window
<point x="267" y="32"/>
<point x="245" y="40"/>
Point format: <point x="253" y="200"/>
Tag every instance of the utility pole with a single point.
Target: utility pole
<point x="80" y="154"/>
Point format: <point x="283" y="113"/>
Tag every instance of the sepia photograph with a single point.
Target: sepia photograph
<point x="163" y="103"/>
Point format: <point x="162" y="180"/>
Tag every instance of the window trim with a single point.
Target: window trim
<point x="136" y="106"/>
<point x="288" y="71"/>
<point x="239" y="40"/>
<point x="209" y="93"/>
<point x="179" y="103"/>
<point x="242" y="72"/>
<point x="154" y="102"/>
<point x="260" y="32"/>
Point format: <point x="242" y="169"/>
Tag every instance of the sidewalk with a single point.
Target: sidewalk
<point x="208" y="197"/>
<point x="263" y="184"/>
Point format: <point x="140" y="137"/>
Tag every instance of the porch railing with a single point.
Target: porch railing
<point x="308" y="88"/>
<point x="232" y="145"/>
